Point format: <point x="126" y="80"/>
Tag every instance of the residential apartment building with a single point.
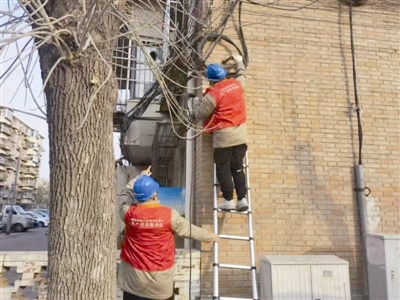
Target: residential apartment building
<point x="303" y="136"/>
<point x="18" y="140"/>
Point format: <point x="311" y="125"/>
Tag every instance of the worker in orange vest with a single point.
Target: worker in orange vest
<point x="223" y="110"/>
<point x="148" y="249"/>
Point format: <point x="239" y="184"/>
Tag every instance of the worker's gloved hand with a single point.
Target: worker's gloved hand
<point x="146" y="172"/>
<point x="130" y="184"/>
<point x="238" y="58"/>
<point x="196" y="100"/>
<point x="213" y="238"/>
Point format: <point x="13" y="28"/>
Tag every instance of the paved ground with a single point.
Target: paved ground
<point x="35" y="239"/>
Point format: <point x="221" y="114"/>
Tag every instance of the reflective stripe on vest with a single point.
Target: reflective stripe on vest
<point x="230" y="107"/>
<point x="149" y="243"/>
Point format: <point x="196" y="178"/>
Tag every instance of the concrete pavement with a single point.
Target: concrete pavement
<point x="35" y="239"/>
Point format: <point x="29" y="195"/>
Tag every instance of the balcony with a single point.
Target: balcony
<point x="27" y="176"/>
<point x="31" y="171"/>
<point x="27" y="183"/>
<point x="28" y="163"/>
<point x="4" y="193"/>
<point x="4" y="119"/>
<point x="30" y="145"/>
<point x="5" y="129"/>
<point x="5" y="144"/>
<point x="32" y="269"/>
<point x="3" y="177"/>
<point x="26" y="195"/>
<point x="11" y="164"/>
<point x="28" y="171"/>
<point x="4" y="161"/>
<point x="25" y="201"/>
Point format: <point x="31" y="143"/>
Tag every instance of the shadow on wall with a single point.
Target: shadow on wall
<point x="332" y="207"/>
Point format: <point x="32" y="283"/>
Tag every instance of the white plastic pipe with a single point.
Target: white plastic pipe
<point x="189" y="163"/>
<point x="167" y="23"/>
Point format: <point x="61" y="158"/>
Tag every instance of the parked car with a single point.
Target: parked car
<point x="20" y="221"/>
<point x="43" y="221"/>
<point x="40" y="213"/>
<point x="42" y="210"/>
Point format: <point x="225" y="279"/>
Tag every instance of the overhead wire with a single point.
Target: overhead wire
<point x="356" y="97"/>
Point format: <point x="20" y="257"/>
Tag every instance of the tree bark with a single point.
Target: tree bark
<point x="82" y="235"/>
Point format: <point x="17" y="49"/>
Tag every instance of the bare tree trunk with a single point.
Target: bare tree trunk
<point x="82" y="228"/>
<point x="82" y="237"/>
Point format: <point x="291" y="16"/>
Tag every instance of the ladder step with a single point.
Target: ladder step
<point x="234" y="212"/>
<point x="234" y="237"/>
<point x="229" y="266"/>
<point x="230" y="298"/>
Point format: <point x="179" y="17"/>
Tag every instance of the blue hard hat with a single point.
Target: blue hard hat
<point x="215" y="72"/>
<point x="144" y="188"/>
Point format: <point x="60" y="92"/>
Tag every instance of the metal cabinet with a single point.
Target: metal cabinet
<point x="308" y="277"/>
<point x="383" y="266"/>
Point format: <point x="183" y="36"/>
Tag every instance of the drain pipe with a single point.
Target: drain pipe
<point x="191" y="90"/>
<point x="166" y="32"/>
<point x="362" y="212"/>
<point x="359" y="171"/>
<point x="189" y="179"/>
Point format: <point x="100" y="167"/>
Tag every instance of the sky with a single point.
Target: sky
<point x="13" y="94"/>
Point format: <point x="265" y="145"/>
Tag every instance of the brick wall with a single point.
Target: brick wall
<point x="303" y="139"/>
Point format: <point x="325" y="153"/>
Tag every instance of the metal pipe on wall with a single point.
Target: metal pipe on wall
<point x="362" y="212"/>
<point x="193" y="89"/>
<point x="193" y="85"/>
<point x="167" y="23"/>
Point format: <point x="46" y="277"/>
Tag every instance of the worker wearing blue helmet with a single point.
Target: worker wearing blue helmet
<point x="148" y="246"/>
<point x="223" y="111"/>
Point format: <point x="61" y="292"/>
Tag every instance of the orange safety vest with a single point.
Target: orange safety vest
<point x="230" y="110"/>
<point x="149" y="243"/>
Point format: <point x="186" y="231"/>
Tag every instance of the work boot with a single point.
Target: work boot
<point x="227" y="205"/>
<point x="242" y="205"/>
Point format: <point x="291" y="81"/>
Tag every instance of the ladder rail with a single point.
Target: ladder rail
<point x="250" y="228"/>
<point x="216" y="248"/>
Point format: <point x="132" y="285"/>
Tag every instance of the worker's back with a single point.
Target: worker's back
<point x="149" y="243"/>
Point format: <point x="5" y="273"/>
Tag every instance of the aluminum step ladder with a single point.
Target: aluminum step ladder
<point x="250" y="239"/>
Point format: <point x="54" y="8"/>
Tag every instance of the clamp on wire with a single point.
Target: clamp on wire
<point x="190" y="116"/>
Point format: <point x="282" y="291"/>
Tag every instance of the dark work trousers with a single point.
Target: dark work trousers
<point x="128" y="296"/>
<point x="229" y="164"/>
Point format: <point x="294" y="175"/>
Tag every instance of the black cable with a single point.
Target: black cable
<point x="241" y="37"/>
<point x="223" y="25"/>
<point x="278" y="8"/>
<point x="156" y="90"/>
<point x="16" y="59"/>
<point x="213" y="37"/>
<point x="358" y="108"/>
<point x="217" y="37"/>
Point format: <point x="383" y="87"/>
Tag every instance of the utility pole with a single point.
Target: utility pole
<point x="14" y="191"/>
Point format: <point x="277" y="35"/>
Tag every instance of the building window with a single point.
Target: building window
<point x="9" y="114"/>
<point x="34" y="133"/>
<point x="135" y="76"/>
<point x="3" y="191"/>
<point x="33" y="158"/>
